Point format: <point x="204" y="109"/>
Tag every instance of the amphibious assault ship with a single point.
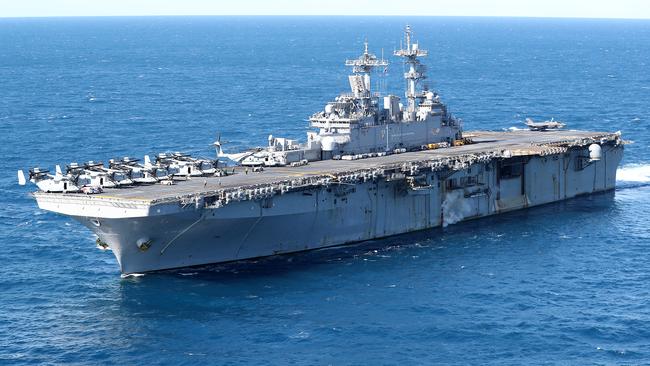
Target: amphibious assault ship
<point x="372" y="167"/>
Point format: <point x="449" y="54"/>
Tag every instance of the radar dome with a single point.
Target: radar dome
<point x="595" y="152"/>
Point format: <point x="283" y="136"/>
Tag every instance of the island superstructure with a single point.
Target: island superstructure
<point x="364" y="122"/>
<point x="372" y="167"/>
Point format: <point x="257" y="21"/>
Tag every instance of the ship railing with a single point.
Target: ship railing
<point x="352" y="96"/>
<point x="413" y="75"/>
<point x="320" y="123"/>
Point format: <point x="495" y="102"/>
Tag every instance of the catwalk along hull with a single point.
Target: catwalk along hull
<point x="406" y="195"/>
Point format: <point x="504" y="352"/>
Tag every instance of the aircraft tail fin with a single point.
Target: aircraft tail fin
<point x="217" y="145"/>
<point x="21" y="178"/>
<point x="59" y="174"/>
<point x="147" y="161"/>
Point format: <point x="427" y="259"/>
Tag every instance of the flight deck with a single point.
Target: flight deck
<point x="492" y="143"/>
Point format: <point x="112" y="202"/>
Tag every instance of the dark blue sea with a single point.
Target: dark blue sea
<point x="566" y="283"/>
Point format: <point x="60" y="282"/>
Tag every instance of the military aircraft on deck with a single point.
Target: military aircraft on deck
<point x="543" y="126"/>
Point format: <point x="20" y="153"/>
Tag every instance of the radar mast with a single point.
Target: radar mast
<point x="416" y="69"/>
<point x="361" y="68"/>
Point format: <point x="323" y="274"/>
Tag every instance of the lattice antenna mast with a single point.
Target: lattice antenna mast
<point x="415" y="71"/>
<point x="362" y="67"/>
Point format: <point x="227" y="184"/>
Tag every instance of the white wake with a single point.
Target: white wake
<point x="513" y="128"/>
<point x="633" y="173"/>
<point x="454" y="208"/>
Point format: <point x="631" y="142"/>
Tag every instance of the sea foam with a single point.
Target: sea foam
<point x="637" y="173"/>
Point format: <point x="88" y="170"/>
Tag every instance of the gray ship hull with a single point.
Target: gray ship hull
<point x="329" y="215"/>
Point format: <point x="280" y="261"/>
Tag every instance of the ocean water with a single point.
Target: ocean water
<point x="566" y="283"/>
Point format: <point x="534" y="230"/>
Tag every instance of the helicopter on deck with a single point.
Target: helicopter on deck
<point x="138" y="173"/>
<point x="47" y="182"/>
